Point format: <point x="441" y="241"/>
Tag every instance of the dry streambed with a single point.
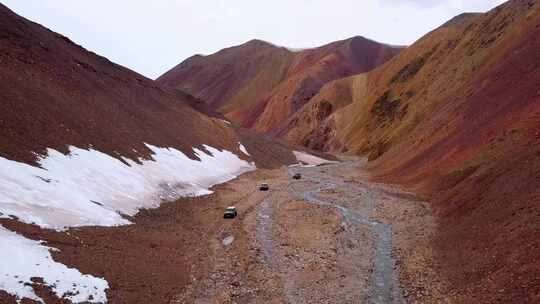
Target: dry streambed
<point x="331" y="237"/>
<point x="329" y="247"/>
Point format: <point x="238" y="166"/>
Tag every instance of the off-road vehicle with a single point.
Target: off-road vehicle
<point x="230" y="213"/>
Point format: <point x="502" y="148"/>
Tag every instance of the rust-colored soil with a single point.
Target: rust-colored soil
<point x="456" y="117"/>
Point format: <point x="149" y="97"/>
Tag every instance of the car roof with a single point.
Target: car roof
<point x="231" y="207"/>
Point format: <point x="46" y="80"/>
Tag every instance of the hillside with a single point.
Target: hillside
<point x="86" y="142"/>
<point x="55" y="94"/>
<point x="259" y="85"/>
<point x="455" y="116"/>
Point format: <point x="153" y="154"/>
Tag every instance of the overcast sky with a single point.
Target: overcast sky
<point x="151" y="37"/>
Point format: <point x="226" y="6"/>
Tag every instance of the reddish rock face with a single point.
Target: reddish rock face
<point x="456" y="116"/>
<point x="260" y="85"/>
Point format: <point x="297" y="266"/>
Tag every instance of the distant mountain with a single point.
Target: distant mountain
<point x="260" y="85"/>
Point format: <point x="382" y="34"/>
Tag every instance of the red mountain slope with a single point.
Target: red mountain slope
<point x="457" y="117"/>
<point x="55" y="94"/>
<point x="259" y="85"/>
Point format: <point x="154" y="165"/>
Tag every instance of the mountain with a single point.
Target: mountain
<point x="455" y="116"/>
<point x="260" y="85"/>
<point x="86" y="142"/>
<point x="55" y="94"/>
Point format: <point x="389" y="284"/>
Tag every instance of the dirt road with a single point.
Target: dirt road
<point x="330" y="237"/>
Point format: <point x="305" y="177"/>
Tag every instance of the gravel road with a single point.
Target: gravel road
<point x="355" y="205"/>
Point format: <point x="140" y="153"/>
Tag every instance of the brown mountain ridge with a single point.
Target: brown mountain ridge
<point x="260" y="85"/>
<point x="454" y="118"/>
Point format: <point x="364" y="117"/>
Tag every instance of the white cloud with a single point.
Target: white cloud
<point x="152" y="36"/>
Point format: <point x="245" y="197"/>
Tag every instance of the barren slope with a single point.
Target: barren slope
<point x="457" y="116"/>
<point x="54" y="93"/>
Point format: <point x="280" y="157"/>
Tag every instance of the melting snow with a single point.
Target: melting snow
<point x="309" y="159"/>
<point x="22" y="259"/>
<point x="88" y="187"/>
<point x="243" y="149"/>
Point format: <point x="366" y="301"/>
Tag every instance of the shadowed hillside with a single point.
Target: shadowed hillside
<point x="55" y="94"/>
<point x="126" y="177"/>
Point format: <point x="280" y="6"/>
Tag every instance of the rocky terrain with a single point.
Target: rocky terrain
<point x="55" y="93"/>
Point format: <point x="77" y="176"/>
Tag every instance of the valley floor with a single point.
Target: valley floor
<point x="331" y="237"/>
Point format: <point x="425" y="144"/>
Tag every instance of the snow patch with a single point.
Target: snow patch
<point x="21" y="259"/>
<point x="88" y="187"/>
<point x="310" y="160"/>
<point x="395" y="46"/>
<point x="243" y="149"/>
